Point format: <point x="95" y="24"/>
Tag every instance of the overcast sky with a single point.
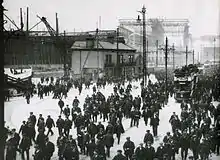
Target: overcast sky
<point x="83" y="15"/>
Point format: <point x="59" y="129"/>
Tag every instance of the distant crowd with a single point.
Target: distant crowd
<point x="197" y="128"/>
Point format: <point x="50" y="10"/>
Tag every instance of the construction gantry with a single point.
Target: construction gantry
<point x="157" y="29"/>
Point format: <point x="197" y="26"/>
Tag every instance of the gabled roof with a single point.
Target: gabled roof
<point x="102" y="45"/>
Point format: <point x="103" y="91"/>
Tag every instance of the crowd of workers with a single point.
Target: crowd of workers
<point x="196" y="129"/>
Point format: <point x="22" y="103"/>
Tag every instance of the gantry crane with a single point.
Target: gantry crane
<point x="166" y="23"/>
<point x="60" y="43"/>
<point x="170" y="27"/>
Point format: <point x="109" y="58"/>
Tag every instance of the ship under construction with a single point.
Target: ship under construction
<point x="24" y="46"/>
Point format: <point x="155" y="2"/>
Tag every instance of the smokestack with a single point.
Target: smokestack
<point x="57" y="26"/>
<point x="27" y="21"/>
<point x="21" y="19"/>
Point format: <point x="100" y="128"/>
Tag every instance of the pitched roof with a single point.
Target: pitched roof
<point x="81" y="45"/>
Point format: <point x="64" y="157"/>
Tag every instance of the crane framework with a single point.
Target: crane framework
<point x="172" y="28"/>
<point x="102" y="33"/>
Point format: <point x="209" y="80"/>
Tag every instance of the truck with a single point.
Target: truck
<point x="185" y="80"/>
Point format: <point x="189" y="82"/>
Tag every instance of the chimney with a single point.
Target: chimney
<point x="121" y="40"/>
<point x="90" y="42"/>
<point x="111" y="38"/>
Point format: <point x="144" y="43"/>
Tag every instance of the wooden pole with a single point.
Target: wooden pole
<point x="118" y="58"/>
<point x="27" y="21"/>
<point x="21" y="20"/>
<point x="193" y="57"/>
<point x="156" y="53"/>
<point x="144" y="46"/>
<point x="214" y="52"/>
<point x="186" y="55"/>
<point x="97" y="46"/>
<point x="2" y="50"/>
<point x="173" y="57"/>
<point x="166" y="83"/>
<point x="57" y="25"/>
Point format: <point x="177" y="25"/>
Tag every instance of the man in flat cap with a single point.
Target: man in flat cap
<point x="60" y="125"/>
<point x="160" y="152"/>
<point x="150" y="151"/>
<point x="119" y="156"/>
<point x="50" y="124"/>
<point x="140" y="152"/>
<point x="148" y="137"/>
<point x="128" y="148"/>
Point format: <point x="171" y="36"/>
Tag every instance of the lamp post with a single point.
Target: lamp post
<point x="166" y="84"/>
<point x="166" y="49"/>
<point x="139" y="21"/>
<point x="193" y="57"/>
<point x="118" y="58"/>
<point x="123" y="61"/>
<point x="186" y="55"/>
<point x="2" y="49"/>
<point x="173" y="49"/>
<point x="156" y="53"/>
<point x="97" y="46"/>
<point x="143" y="11"/>
<point x="214" y="52"/>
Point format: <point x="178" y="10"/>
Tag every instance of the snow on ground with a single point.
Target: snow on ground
<point x="17" y="110"/>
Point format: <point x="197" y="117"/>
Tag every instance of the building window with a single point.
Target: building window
<point x="108" y="58"/>
<point x="131" y="58"/>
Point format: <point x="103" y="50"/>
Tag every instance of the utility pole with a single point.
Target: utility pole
<point x="166" y="83"/>
<point x="27" y="31"/>
<point x="146" y="73"/>
<point x="123" y="60"/>
<point x="173" y="49"/>
<point x="156" y="53"/>
<point x="21" y="19"/>
<point x="144" y="47"/>
<point x="139" y="20"/>
<point x="64" y="56"/>
<point x="27" y="21"/>
<point x="2" y="50"/>
<point x="214" y="52"/>
<point x="186" y="55"/>
<point x="57" y="25"/>
<point x="118" y="58"/>
<point x="97" y="46"/>
<point x="80" y="63"/>
<point x="193" y="57"/>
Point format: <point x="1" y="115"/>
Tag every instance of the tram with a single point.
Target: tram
<point x="185" y="80"/>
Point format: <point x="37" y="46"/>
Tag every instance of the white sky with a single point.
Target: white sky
<point x="83" y="15"/>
